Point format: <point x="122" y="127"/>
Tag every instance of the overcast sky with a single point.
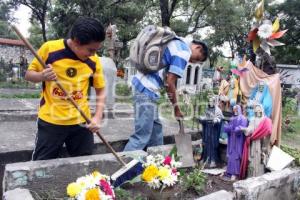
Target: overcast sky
<point x="22" y="16"/>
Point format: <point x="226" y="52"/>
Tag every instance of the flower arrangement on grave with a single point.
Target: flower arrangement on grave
<point x="94" y="186"/>
<point x="160" y="172"/>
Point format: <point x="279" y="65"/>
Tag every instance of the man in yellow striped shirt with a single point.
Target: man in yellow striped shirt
<point x="74" y="63"/>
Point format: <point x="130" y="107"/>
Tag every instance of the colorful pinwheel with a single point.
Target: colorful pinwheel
<point x="264" y="34"/>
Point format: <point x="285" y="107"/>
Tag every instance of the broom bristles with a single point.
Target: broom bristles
<point x="126" y="173"/>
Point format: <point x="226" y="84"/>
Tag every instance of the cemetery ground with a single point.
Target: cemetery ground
<point x="193" y="183"/>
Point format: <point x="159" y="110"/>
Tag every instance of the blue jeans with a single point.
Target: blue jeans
<point x="148" y="128"/>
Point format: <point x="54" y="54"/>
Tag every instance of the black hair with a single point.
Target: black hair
<point x="204" y="46"/>
<point x="87" y="30"/>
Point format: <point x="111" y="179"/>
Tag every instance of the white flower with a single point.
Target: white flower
<point x="265" y="31"/>
<point x="168" y="175"/>
<point x="175" y="164"/>
<point x="159" y="159"/>
<point x="170" y="180"/>
<point x="155" y="183"/>
<point x="150" y="160"/>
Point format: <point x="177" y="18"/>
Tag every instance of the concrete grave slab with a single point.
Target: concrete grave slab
<point x="165" y="149"/>
<point x="54" y="175"/>
<point x="214" y="172"/>
<point x="19" y="104"/>
<point x="17" y="194"/>
<point x="220" y="195"/>
<point x="20" y="136"/>
<point x="275" y="185"/>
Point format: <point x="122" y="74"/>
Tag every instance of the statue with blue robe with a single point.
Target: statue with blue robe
<point x="260" y="95"/>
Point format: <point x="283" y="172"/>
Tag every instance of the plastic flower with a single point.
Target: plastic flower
<point x="94" y="186"/>
<point x="164" y="173"/>
<point x="160" y="172"/>
<point x="150" y="173"/>
<point x="106" y="187"/>
<point x="175" y="164"/>
<point x="263" y="34"/>
<point x="96" y="174"/>
<point x="167" y="160"/>
<point x="73" y="189"/>
<point x="265" y="31"/>
<point x="155" y="184"/>
<point x="92" y="194"/>
<point x="174" y="171"/>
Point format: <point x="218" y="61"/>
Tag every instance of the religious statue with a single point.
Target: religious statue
<point x="260" y="95"/>
<point x="258" y="140"/>
<point x="224" y="86"/>
<point x="233" y="92"/>
<point x="211" y="128"/>
<point x="235" y="144"/>
<point x="230" y="97"/>
<point x="112" y="43"/>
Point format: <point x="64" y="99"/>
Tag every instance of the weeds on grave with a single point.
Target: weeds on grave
<point x="194" y="181"/>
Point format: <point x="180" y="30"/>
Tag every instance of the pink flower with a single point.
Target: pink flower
<point x="105" y="187"/>
<point x="167" y="160"/>
<point x="174" y="171"/>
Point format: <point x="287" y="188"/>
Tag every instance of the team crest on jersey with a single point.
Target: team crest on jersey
<point x="71" y="72"/>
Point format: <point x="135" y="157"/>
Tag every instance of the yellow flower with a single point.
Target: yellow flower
<point x="73" y="189"/>
<point x="92" y="194"/>
<point x="163" y="173"/>
<point x="150" y="173"/>
<point x="96" y="174"/>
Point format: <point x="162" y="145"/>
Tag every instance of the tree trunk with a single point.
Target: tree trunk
<point x="44" y="31"/>
<point x="164" y="9"/>
<point x="43" y="20"/>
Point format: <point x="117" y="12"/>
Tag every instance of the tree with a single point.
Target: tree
<point x="35" y="37"/>
<point x="231" y="22"/>
<point x="184" y="17"/>
<point x="289" y="15"/>
<point x="127" y="15"/>
<point x="5" y="18"/>
<point x="167" y="8"/>
<point x="39" y="10"/>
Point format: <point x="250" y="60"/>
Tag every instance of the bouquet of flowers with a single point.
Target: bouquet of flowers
<point x="160" y="172"/>
<point x="94" y="186"/>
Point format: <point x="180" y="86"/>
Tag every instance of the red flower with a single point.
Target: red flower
<point x="105" y="187"/>
<point x="174" y="171"/>
<point x="167" y="160"/>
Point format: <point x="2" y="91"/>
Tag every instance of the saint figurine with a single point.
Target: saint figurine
<point x="211" y="128"/>
<point x="236" y="139"/>
<point x="257" y="145"/>
<point x="230" y="97"/>
<point x="260" y="95"/>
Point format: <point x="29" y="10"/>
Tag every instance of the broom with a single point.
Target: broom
<point x="128" y="171"/>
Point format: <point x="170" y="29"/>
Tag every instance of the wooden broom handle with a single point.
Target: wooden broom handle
<point x="28" y="45"/>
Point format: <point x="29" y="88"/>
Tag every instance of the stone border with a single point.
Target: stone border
<point x="277" y="185"/>
<point x="18" y="194"/>
<point x="49" y="176"/>
<point x="219" y="195"/>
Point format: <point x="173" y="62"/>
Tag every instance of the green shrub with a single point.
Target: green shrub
<point x="123" y="90"/>
<point x="289" y="106"/>
<point x="122" y="194"/>
<point x="35" y="95"/>
<point x="292" y="152"/>
<point x="195" y="180"/>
